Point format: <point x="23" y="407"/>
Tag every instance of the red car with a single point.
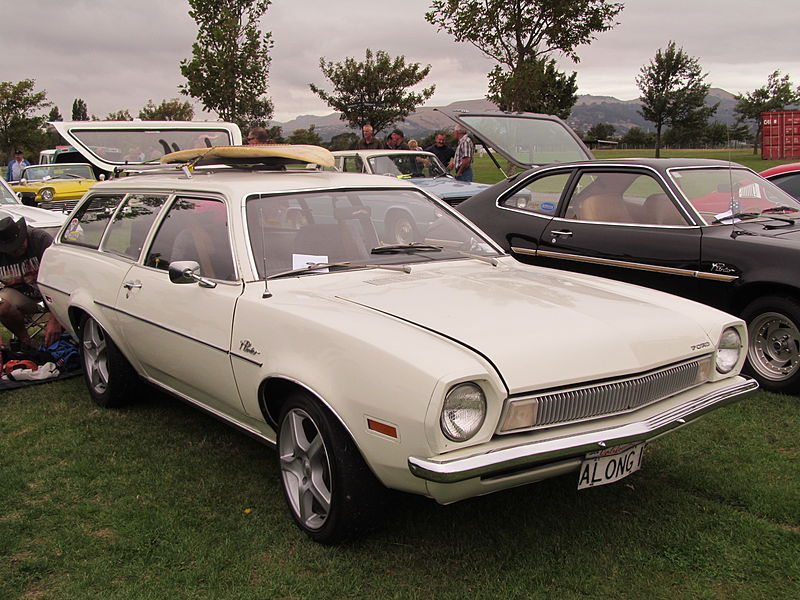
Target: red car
<point x="786" y="177"/>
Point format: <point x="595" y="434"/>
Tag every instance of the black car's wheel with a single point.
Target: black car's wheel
<point x="773" y="352"/>
<point x="400" y="229"/>
<point x="110" y="378"/>
<point x="331" y="492"/>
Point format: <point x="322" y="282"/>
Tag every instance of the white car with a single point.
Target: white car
<point x="38" y="218"/>
<point x="269" y="297"/>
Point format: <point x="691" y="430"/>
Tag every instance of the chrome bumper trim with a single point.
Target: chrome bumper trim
<point x="542" y="452"/>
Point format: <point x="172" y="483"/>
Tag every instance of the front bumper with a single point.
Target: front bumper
<point x="541" y="453"/>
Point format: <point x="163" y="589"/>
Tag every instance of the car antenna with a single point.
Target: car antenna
<point x="267" y="293"/>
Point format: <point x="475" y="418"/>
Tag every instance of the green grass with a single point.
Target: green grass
<point x="160" y="501"/>
<point x="486" y="172"/>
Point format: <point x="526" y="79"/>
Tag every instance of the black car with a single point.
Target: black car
<point x="708" y="230"/>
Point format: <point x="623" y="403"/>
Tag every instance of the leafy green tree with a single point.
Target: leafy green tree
<point x="776" y="95"/>
<point x="54" y="114"/>
<point x="373" y="91"/>
<point x="636" y="137"/>
<point x="343" y="141"/>
<point x="20" y="127"/>
<point x="520" y="35"/>
<point x="230" y="61"/>
<point x="534" y="86"/>
<point x="79" y="110"/>
<point x="716" y="134"/>
<point x="601" y="131"/>
<point x="673" y="92"/>
<point x="120" y="115"/>
<point x="276" y="134"/>
<point x="305" y="136"/>
<point x="739" y="132"/>
<point x="168" y="110"/>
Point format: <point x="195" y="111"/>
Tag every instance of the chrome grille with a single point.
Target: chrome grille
<point x="609" y="397"/>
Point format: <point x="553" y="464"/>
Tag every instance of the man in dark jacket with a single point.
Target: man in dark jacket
<point x="442" y="151"/>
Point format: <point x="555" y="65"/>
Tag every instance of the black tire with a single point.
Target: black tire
<point x="111" y="380"/>
<point x="773" y="350"/>
<point x="400" y="229"/>
<point x="331" y="493"/>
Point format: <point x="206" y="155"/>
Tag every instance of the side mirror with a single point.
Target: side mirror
<point x="102" y="177"/>
<point x="188" y="271"/>
<point x="27" y="198"/>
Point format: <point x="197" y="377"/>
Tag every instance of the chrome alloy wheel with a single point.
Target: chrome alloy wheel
<point x="774" y="346"/>
<point x="95" y="356"/>
<point x="305" y="468"/>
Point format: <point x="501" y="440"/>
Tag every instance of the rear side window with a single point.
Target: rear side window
<point x="128" y="231"/>
<point x="540" y="196"/>
<point x="89" y="223"/>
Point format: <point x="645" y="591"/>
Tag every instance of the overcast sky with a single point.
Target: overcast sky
<point x="118" y="54"/>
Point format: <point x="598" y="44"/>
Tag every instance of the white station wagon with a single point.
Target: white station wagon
<point x="270" y="297"/>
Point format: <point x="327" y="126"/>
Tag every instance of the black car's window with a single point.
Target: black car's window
<point x="87" y="225"/>
<point x="540" y="196"/>
<point x="352" y="164"/>
<point x="789" y="183"/>
<point x="197" y="230"/>
<point x="130" y="226"/>
<point x="622" y="197"/>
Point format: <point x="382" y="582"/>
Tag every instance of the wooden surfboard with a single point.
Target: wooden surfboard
<point x="279" y="153"/>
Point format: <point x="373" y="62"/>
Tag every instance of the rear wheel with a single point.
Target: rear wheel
<point x="331" y="492"/>
<point x="773" y="352"/>
<point x="110" y="378"/>
<point x="400" y="229"/>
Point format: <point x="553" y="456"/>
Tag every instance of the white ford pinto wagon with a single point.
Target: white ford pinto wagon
<point x="272" y="295"/>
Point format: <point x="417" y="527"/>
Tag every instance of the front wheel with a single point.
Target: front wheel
<point x="331" y="492"/>
<point x="773" y="351"/>
<point x="400" y="229"/>
<point x="110" y="378"/>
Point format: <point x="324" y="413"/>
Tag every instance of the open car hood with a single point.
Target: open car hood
<point x="111" y="144"/>
<point x="526" y="140"/>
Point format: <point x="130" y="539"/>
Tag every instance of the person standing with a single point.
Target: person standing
<point x="396" y="140"/>
<point x="21" y="251"/>
<point x="442" y="151"/>
<point x="465" y="152"/>
<point x="368" y="140"/>
<point x="258" y="136"/>
<point x="15" y="166"/>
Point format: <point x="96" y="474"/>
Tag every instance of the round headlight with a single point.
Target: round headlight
<point x="47" y="194"/>
<point x="728" y="350"/>
<point x="463" y="412"/>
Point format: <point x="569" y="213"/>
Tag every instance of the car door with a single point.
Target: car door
<point x="623" y="224"/>
<point x="181" y="332"/>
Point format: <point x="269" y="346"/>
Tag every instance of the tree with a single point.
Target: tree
<point x="519" y="35"/>
<point x="373" y="91"/>
<point x="54" y="114"/>
<point x="673" y="92"/>
<point x="305" y="136"/>
<point x="120" y="115"/>
<point x="636" y="137"/>
<point x="535" y="86"/>
<point x="275" y="133"/>
<point x="343" y="141"/>
<point x="19" y="126"/>
<point x="168" y="110"/>
<point x="777" y="94"/>
<point x="601" y="131"/>
<point x="79" y="110"/>
<point x="230" y="61"/>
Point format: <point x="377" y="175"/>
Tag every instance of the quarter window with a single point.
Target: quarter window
<point x="88" y="224"/>
<point x="127" y="232"/>
<point x="540" y="196"/>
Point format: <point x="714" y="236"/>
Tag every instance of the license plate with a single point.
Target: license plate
<point x="610" y="465"/>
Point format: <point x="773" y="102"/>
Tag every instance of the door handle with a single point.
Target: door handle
<point x="129" y="285"/>
<point x="561" y="233"/>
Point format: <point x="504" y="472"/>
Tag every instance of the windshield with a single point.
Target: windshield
<point x="527" y="140"/>
<point x="723" y="194"/>
<point x="147" y="145"/>
<point x="362" y="227"/>
<point x="407" y="164"/>
<point x="7" y="196"/>
<point x="55" y="171"/>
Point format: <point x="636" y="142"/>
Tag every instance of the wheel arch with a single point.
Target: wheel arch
<point x="745" y="295"/>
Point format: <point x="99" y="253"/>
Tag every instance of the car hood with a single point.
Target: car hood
<point x="35" y="217"/>
<point x="526" y="320"/>
<point x="445" y="187"/>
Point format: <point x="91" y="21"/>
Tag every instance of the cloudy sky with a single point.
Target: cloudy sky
<point x="118" y="54"/>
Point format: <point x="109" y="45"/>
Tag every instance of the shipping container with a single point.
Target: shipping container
<point x="780" y="135"/>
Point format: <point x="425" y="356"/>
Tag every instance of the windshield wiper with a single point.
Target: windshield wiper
<point x="407" y="248"/>
<point x="487" y="259"/>
<point x="775" y="209"/>
<point x="349" y="264"/>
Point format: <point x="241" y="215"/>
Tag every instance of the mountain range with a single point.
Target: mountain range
<point x="588" y="110"/>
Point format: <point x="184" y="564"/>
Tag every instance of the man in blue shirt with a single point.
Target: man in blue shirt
<point x="15" y="166"/>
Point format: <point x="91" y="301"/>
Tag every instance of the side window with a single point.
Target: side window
<point x="127" y="232"/>
<point x="87" y="226"/>
<point x="622" y="197"/>
<point x="197" y="230"/>
<point x="540" y="196"/>
<point x="353" y="164"/>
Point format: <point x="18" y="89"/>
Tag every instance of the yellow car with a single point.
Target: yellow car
<point x="55" y="182"/>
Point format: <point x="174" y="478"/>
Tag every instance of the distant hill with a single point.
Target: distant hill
<point x="588" y="111"/>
